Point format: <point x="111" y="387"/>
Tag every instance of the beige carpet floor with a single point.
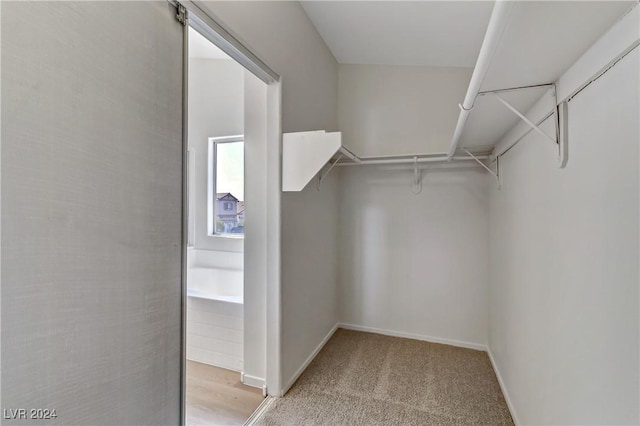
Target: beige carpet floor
<point x="369" y="379"/>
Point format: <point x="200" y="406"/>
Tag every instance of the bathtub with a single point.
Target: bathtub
<point x="215" y="284"/>
<point x="215" y="316"/>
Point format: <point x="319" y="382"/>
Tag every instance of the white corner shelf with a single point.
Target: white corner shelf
<point x="304" y="154"/>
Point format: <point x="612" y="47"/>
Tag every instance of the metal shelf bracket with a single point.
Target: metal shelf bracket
<point x="525" y="119"/>
<point x="416" y="186"/>
<point x="477" y="160"/>
<point x="560" y="113"/>
<point x="322" y="175"/>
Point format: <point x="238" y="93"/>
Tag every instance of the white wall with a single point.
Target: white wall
<point x="91" y="211"/>
<point x="216" y="108"/>
<point x="406" y="260"/>
<point x="564" y="322"/>
<point x="255" y="254"/>
<point x="399" y="110"/>
<point x="281" y="35"/>
<point x="309" y="272"/>
<point x="415" y="264"/>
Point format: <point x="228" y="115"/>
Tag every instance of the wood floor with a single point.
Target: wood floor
<point x="216" y="396"/>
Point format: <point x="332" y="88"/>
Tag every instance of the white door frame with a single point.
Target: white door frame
<point x="191" y="15"/>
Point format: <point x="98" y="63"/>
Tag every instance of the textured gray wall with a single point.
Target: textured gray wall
<point x="91" y="211"/>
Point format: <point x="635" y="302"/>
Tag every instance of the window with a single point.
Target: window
<point x="226" y="186"/>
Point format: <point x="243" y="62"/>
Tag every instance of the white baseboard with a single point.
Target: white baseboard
<point x="431" y="339"/>
<point x="512" y="409"/>
<point x="315" y="352"/>
<point x="253" y="381"/>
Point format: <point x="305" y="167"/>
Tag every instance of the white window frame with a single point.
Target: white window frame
<point x="211" y="184"/>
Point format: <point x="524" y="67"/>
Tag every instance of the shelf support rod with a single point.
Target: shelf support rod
<point x="511" y="89"/>
<point x="481" y="163"/>
<point x="524" y="118"/>
<point x="350" y="155"/>
<point x="321" y="176"/>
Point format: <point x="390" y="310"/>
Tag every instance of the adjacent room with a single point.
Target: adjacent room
<point x="320" y="212"/>
<point x="215" y="338"/>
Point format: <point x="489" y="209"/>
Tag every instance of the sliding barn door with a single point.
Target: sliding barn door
<point x="91" y="187"/>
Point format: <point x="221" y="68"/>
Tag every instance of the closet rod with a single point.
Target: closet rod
<point x="412" y="160"/>
<point x="497" y="24"/>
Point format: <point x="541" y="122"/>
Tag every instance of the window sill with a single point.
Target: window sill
<point x="228" y="236"/>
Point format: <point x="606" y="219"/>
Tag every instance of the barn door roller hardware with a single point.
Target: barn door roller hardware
<point x="190" y="13"/>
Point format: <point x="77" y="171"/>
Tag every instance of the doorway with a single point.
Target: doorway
<point x="231" y="270"/>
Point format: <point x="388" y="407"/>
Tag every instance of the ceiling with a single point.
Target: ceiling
<point x="420" y="33"/>
<point x="201" y="48"/>
<point x="541" y="41"/>
<point x="544" y="38"/>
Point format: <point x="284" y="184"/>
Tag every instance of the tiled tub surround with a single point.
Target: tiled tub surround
<point x="215" y="332"/>
<point x="215" y="311"/>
